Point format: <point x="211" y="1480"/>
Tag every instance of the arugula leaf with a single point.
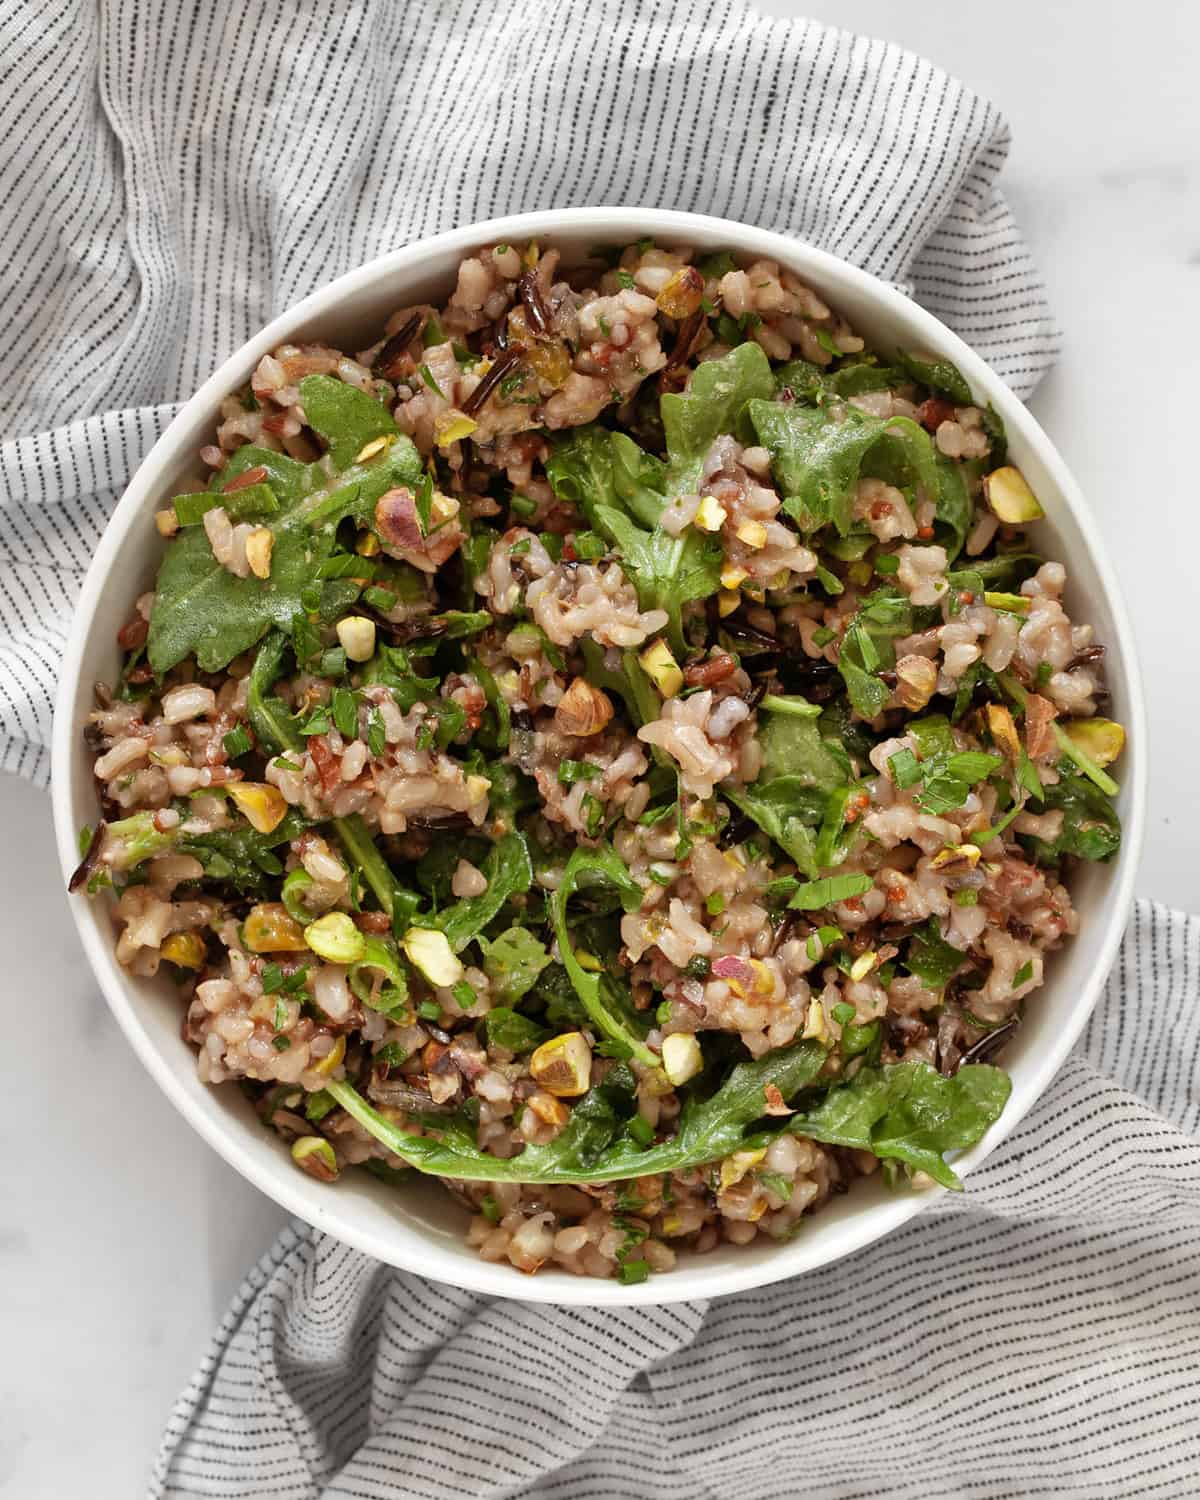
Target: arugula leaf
<point x="817" y="894"/>
<point x="201" y="608"/>
<point x="392" y="666"/>
<point x="1091" y="828"/>
<point x="936" y="374"/>
<point x="715" y="403"/>
<point x="513" y="961"/>
<point x="788" y="809"/>
<point x="816" y="461"/>
<point x="593" y="1146"/>
<point x="509" y="872"/>
<point x="622" y="491"/>
<point x="347" y="418"/>
<point x="606" y="475"/>
<point x="793" y="746"/>
<point x="240" y="856"/>
<point x="911" y="1113"/>
<point x="931" y="958"/>
<point x="515" y="1033"/>
<point x="631" y="683"/>
<point x="606" y="1003"/>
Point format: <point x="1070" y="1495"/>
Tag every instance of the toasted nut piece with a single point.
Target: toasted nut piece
<point x="1010" y="498"/>
<point x="368" y="545"/>
<point x="916" y="678"/>
<point x="682" y="1057"/>
<point x="550" y="362"/>
<point x="313" y="1154"/>
<point x="710" y="514"/>
<point x="548" y="1109"/>
<point x="186" y="950"/>
<point x="443" y="508"/>
<point x="1014" y="604"/>
<point x="452" y="426"/>
<point x="583" y="709"/>
<point x="369" y="450"/>
<point x="263" y="806"/>
<point x="733" y="577"/>
<point x="563" y="1065"/>
<point x="764" y="979"/>
<point x="357" y="635"/>
<point x="952" y="855"/>
<point x="429" y="950"/>
<point x="735" y="1167"/>
<point x="1002" y="730"/>
<point x="1102" y="739"/>
<point x="662" y="668"/>
<point x="478" y="787"/>
<point x="1040" y="714"/>
<point x="334" y="937"/>
<point x="258" y="551"/>
<point x="332" y="1059"/>
<point x="815" y="1025"/>
<point x="863" y="965"/>
<point x="268" y="928"/>
<point x="166" y="521"/>
<point x="682" y="295"/>
<point x="727" y="602"/>
<point x="752" y="533"/>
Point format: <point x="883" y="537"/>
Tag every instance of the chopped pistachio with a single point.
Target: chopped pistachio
<point x="263" y="806"/>
<point x="682" y="1057"/>
<point x="313" y="1154"/>
<point x="1011" y="499"/>
<point x="1100" y="739"/>
<point x="259" y="545"/>
<point x="269" y="928"/>
<point x="357" y="636"/>
<point x="429" y="950"/>
<point x="710" y="514"/>
<point x="186" y="950"/>
<point x="753" y="534"/>
<point x="563" y="1065"/>
<point x="662" y="668"/>
<point x="335" y="938"/>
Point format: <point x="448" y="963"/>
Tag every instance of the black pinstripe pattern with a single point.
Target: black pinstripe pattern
<point x="1039" y="1335"/>
<point x="203" y="167"/>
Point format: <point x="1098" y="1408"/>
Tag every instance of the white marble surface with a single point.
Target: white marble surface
<point x="121" y="1236"/>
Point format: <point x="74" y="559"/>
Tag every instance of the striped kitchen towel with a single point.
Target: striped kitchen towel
<point x="1038" y="1334"/>
<point x="203" y="167"/>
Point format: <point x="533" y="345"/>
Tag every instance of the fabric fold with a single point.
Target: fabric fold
<point x="1037" y="1334"/>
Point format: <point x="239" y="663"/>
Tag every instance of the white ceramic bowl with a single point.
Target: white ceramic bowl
<point x="419" y="1228"/>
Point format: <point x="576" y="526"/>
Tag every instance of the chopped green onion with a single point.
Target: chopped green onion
<point x="237" y="741"/>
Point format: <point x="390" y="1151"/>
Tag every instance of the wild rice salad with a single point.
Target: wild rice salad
<point x="611" y="746"/>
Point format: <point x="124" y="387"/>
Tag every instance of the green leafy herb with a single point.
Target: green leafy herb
<point x="931" y="958"/>
<point x="515" y="1033"/>
<point x="816" y="894"/>
<point x="1091" y="828"/>
<point x="594" y="1145"/>
<point x="508" y="872"/>
<point x="251" y="503"/>
<point x="237" y="742"/>
<point x="937" y="374"/>
<point x="513" y="961"/>
<point x="202" y="608"/>
<point x="909" y="1113"/>
<point x="606" y="1003"/>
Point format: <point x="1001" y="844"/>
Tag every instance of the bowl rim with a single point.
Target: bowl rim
<point x="222" y="1131"/>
